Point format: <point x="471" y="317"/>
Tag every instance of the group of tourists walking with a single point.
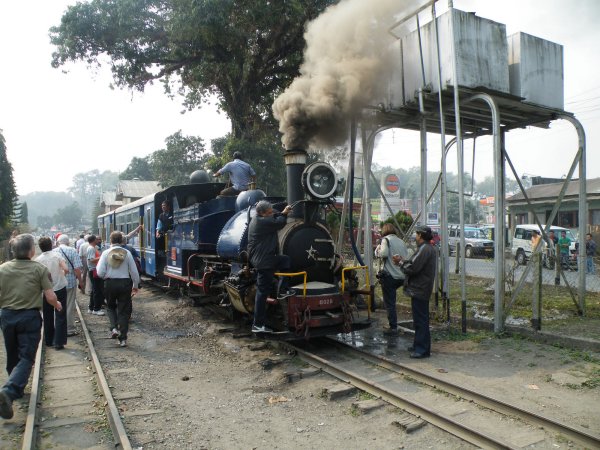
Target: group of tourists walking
<point x="43" y="289"/>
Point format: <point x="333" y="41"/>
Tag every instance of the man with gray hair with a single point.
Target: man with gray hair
<point x="22" y="281"/>
<point x="74" y="264"/>
<point x="263" y="250"/>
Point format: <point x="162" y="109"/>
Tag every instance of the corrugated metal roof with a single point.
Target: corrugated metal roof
<point x="135" y="189"/>
<point x="551" y="191"/>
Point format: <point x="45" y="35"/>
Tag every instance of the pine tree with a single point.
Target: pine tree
<point x="8" y="191"/>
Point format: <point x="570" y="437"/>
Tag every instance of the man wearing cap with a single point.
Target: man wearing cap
<point x="71" y="257"/>
<point x="22" y="281"/>
<point x="263" y="250"/>
<point x="420" y="275"/>
<point x="117" y="267"/>
<point x="241" y="175"/>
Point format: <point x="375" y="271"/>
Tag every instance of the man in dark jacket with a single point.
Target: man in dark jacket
<point x="420" y="275"/>
<point x="263" y="250"/>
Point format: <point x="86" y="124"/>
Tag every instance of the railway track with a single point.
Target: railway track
<point x="475" y="417"/>
<point x="71" y="399"/>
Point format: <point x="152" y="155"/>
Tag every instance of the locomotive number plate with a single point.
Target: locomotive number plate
<point x="326" y="301"/>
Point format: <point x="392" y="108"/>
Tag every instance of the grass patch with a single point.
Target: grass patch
<point x="363" y="395"/>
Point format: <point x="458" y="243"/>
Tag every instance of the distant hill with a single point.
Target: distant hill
<point x="45" y="204"/>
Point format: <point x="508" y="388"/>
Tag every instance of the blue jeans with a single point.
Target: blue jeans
<point x="389" y="285"/>
<point x="21" y="330"/>
<point x="55" y="322"/>
<point x="264" y="285"/>
<point x="420" y="313"/>
<point x="590" y="265"/>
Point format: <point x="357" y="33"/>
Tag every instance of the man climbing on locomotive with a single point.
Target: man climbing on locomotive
<point x="241" y="174"/>
<point x="263" y="250"/>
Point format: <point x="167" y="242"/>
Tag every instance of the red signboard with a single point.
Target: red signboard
<point x="391" y="183"/>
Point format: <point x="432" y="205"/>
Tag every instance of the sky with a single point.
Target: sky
<point x="60" y="122"/>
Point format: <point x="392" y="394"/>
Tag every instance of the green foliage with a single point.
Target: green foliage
<point x="244" y="52"/>
<point x="139" y="168"/>
<point x="69" y="216"/>
<point x="472" y="213"/>
<point x="265" y="155"/>
<point x="45" y="222"/>
<point x="403" y="218"/>
<point x="24" y="213"/>
<point x="87" y="186"/>
<point x="8" y="192"/>
<point x="96" y="211"/>
<point x="174" y="164"/>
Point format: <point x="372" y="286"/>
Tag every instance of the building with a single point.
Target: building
<point x="127" y="191"/>
<point x="543" y="198"/>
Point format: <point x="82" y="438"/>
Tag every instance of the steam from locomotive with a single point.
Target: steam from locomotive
<point x="344" y="65"/>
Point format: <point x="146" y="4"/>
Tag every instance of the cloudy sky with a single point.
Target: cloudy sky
<point x="60" y="122"/>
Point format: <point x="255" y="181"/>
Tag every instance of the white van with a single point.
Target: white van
<point x="521" y="242"/>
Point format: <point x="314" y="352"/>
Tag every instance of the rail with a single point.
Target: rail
<point x="36" y="403"/>
<point x="381" y="386"/>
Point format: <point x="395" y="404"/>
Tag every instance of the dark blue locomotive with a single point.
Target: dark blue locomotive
<point x="205" y="251"/>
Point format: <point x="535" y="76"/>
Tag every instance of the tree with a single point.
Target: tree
<point x="403" y="218"/>
<point x="45" y="222"/>
<point x="472" y="214"/>
<point x="264" y="155"/>
<point x="139" y="168"/>
<point x="24" y="213"/>
<point x="8" y="192"/>
<point x="69" y="216"/>
<point x="244" y="52"/>
<point x="40" y="204"/>
<point x="182" y="156"/>
<point x="89" y="185"/>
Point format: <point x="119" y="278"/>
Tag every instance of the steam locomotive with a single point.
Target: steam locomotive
<point x="204" y="253"/>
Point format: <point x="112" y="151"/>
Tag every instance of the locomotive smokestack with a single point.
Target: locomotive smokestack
<point x="295" y="161"/>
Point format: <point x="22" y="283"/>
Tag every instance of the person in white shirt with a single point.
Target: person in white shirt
<point x="55" y="321"/>
<point x="117" y="267"/>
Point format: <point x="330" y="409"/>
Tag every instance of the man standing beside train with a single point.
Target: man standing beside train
<point x="241" y="175"/>
<point x="420" y="275"/>
<point x="117" y="267"/>
<point x="263" y="250"/>
<point x="22" y="281"/>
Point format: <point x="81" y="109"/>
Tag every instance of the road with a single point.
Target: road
<point x="485" y="268"/>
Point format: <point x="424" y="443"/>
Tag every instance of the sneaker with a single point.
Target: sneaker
<point x="391" y="332"/>
<point x="6" y="410"/>
<point x="123" y="343"/>
<point x="114" y="333"/>
<point x="59" y="347"/>
<point x="99" y="313"/>
<point x="262" y="329"/>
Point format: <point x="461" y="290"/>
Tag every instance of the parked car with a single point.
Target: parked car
<point x="490" y="230"/>
<point x="476" y="242"/>
<point x="521" y="244"/>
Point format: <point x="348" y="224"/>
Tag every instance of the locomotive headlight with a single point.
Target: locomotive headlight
<point x="319" y="180"/>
